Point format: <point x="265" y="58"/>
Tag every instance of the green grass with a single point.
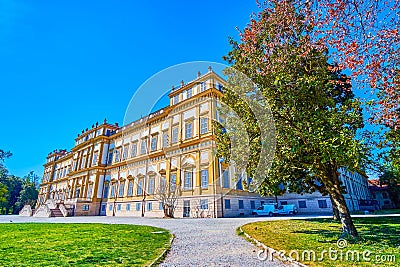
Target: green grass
<point x="390" y="211"/>
<point x="380" y="236"/>
<point x="34" y="244"/>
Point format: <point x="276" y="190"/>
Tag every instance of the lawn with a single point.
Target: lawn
<point x="36" y="244"/>
<point x="378" y="244"/>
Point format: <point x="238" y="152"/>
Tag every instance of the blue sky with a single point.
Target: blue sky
<point x="65" y="65"/>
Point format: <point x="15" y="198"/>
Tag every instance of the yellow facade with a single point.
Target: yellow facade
<point x="115" y="171"/>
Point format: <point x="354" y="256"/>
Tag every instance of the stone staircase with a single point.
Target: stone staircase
<point x="56" y="213"/>
<point x="52" y="208"/>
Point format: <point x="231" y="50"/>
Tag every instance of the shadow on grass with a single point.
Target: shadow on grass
<point x="374" y="230"/>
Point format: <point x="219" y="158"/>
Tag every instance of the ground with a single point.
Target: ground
<point x="378" y="243"/>
<point x="198" y="242"/>
<point x="49" y="244"/>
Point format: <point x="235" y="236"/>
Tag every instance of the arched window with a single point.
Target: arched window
<point x="112" y="190"/>
<point x="130" y="188"/>
<point x="188" y="179"/>
<point x="121" y="189"/>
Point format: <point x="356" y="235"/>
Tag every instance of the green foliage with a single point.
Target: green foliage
<point x="391" y="178"/>
<point x="14" y="191"/>
<point x="392" y="142"/>
<point x="317" y="116"/>
<point x="29" y="193"/>
<point x="80" y="244"/>
<point x="3" y="194"/>
<point x="4" y="155"/>
<point x="14" y="186"/>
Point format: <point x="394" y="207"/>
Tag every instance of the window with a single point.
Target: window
<point x="262" y="203"/>
<point x="189" y="92"/>
<point x="77" y="192"/>
<point x="151" y="185"/>
<point x="85" y="207"/>
<point x="173" y="181"/>
<point x="121" y="189"/>
<point x="227" y="203"/>
<point x="225" y="179"/>
<point x="322" y="204"/>
<point x="188" y="180"/>
<point x="128" y="207"/>
<point x="163" y="182"/>
<point x="203" y="125"/>
<point x="252" y="204"/>
<point x="130" y="189"/>
<point x="134" y="150"/>
<point x="74" y="165"/>
<point x="176" y="99"/>
<point x="117" y="154"/>
<point x="83" y="163"/>
<point x="165" y="140"/>
<point x="140" y="187"/>
<point x="174" y="135"/>
<point x="113" y="190"/>
<point x="143" y="147"/>
<point x="239" y="184"/>
<point x="302" y="204"/>
<point x="189" y="130"/>
<point x="119" y="207"/>
<point x="138" y="206"/>
<point x="161" y="206"/>
<point x="203" y="86"/>
<point x="218" y="86"/>
<point x="203" y="204"/>
<point x="125" y="152"/>
<point x="95" y="156"/>
<point x="149" y="205"/>
<point x="106" y="188"/>
<point x="154" y="143"/>
<point x="110" y="157"/>
<point x="90" y="190"/>
<point x="384" y="195"/>
<point x="110" y="207"/>
<point x="283" y="203"/>
<point x="241" y="204"/>
<point x="204" y="179"/>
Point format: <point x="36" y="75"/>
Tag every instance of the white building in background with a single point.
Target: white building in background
<point x="357" y="189"/>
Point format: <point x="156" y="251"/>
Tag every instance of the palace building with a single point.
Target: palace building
<point x="116" y="171"/>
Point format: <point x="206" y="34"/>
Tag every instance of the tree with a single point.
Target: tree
<point x="363" y="38"/>
<point x="392" y="144"/>
<point x="14" y="186"/>
<point x="4" y="155"/>
<point x="391" y="178"/>
<point x="168" y="195"/>
<point x="315" y="111"/>
<point x="3" y="196"/>
<point x="29" y="192"/>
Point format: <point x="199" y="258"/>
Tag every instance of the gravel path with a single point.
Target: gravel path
<point x="198" y="242"/>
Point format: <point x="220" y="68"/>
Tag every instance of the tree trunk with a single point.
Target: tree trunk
<point x="336" y="215"/>
<point x="168" y="213"/>
<point x="344" y="214"/>
<point x="338" y="199"/>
